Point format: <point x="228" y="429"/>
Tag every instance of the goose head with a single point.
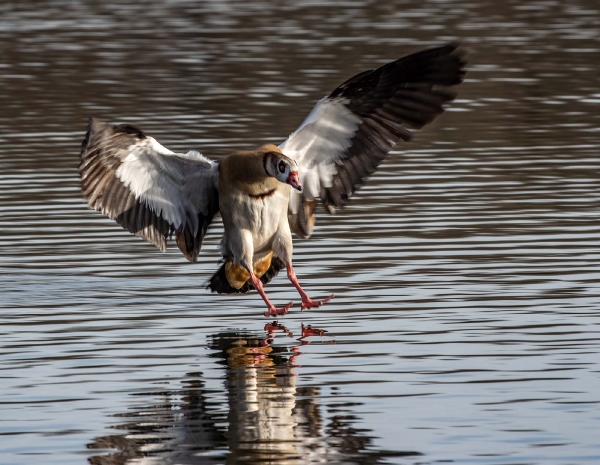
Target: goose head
<point x="280" y="167"/>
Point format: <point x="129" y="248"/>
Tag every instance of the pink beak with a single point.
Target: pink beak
<point x="293" y="181"/>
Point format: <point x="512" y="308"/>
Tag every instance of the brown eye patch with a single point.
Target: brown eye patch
<point x="281" y="167"/>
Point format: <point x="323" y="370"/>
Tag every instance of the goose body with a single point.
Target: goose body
<point x="254" y="209"/>
<point x="265" y="194"/>
<point x="253" y="203"/>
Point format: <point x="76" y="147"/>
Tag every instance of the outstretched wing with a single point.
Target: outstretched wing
<point x="149" y="190"/>
<point x="349" y="132"/>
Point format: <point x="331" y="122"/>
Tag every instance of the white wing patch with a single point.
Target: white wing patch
<point x="169" y="183"/>
<point x="320" y="140"/>
<point x="349" y="133"/>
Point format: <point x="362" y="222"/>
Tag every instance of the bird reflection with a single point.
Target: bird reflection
<point x="261" y="385"/>
<point x="262" y="417"/>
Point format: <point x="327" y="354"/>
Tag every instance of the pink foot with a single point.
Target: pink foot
<point x="278" y="311"/>
<point x="309" y="303"/>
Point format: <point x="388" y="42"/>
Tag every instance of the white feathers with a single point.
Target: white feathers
<point x="322" y="137"/>
<point x="176" y="187"/>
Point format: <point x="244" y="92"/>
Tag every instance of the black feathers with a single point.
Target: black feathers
<point x="219" y="284"/>
<point x="407" y="93"/>
<point x="388" y="103"/>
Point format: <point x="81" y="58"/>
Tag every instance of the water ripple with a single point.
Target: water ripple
<point x="465" y="326"/>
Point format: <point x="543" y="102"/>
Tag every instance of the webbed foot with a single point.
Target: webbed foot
<point x="277" y="311"/>
<point x="309" y="303"/>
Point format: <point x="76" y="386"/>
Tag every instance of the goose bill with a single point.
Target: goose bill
<point x="293" y="181"/>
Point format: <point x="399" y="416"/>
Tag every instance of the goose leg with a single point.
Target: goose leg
<point x="272" y="309"/>
<point x="307" y="302"/>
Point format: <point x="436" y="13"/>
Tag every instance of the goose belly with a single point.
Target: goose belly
<point x="261" y="217"/>
<point x="265" y="219"/>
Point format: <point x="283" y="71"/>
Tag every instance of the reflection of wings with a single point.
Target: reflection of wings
<point x="146" y="188"/>
<point x="349" y="132"/>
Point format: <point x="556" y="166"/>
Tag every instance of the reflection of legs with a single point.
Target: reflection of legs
<point x="307" y="302"/>
<point x="272" y="328"/>
<point x="273" y="311"/>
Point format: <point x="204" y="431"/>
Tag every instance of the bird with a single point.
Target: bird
<point x="265" y="194"/>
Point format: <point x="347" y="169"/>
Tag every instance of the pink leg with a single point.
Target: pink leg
<point x="307" y="302"/>
<point x="273" y="310"/>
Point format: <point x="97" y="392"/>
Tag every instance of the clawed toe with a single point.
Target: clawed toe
<point x="278" y="311"/>
<point x="309" y="303"/>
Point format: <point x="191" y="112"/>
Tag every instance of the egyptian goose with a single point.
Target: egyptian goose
<point x="264" y="194"/>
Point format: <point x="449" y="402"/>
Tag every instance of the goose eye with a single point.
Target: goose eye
<point x="281" y="167"/>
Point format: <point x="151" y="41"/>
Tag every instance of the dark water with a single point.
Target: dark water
<point x="467" y="317"/>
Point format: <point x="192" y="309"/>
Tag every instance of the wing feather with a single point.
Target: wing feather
<point x="149" y="190"/>
<point x="348" y="133"/>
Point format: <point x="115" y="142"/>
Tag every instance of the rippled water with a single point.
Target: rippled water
<point x="467" y="314"/>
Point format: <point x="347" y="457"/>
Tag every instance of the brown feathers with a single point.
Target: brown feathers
<point x="219" y="283"/>
<point x="104" y="150"/>
<point x="303" y="221"/>
<point x="245" y="171"/>
<point x="154" y="192"/>
<point x="237" y="275"/>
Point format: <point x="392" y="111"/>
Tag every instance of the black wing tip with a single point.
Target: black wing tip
<point x="445" y="49"/>
<point x="453" y="52"/>
<point x="393" y="100"/>
<point x="452" y="48"/>
<point x="444" y="65"/>
<point x="218" y="282"/>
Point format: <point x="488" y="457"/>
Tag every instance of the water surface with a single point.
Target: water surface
<point x="466" y="318"/>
